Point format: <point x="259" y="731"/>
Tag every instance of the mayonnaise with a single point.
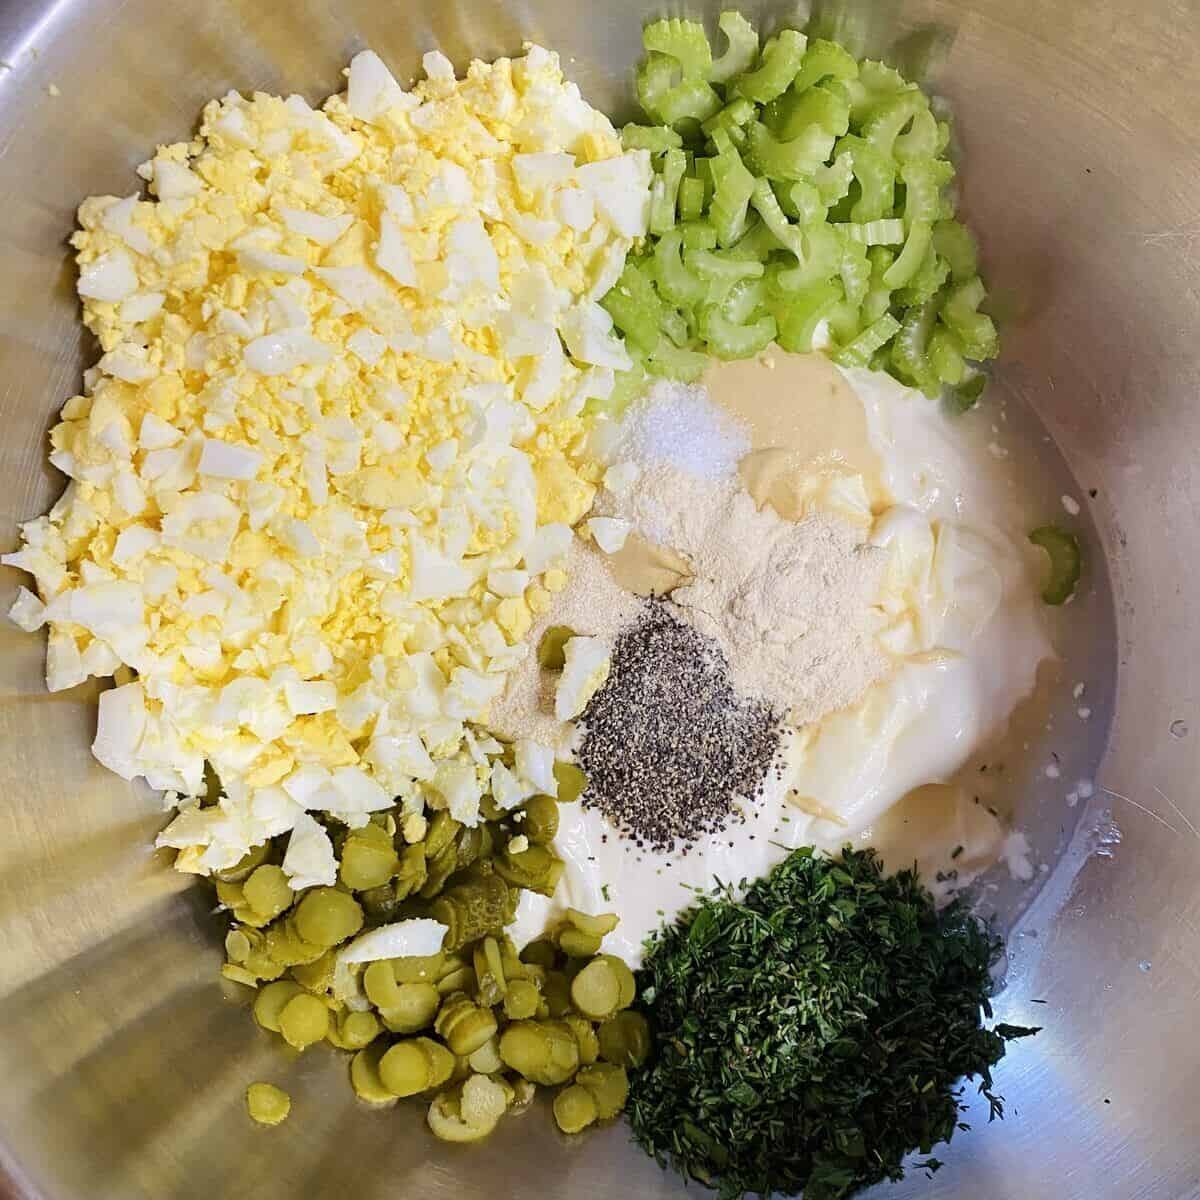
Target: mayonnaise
<point x="960" y="615"/>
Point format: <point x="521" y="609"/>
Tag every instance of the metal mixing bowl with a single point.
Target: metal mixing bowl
<point x="123" y="1066"/>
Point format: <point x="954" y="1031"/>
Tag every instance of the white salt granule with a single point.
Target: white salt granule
<point x="679" y="426"/>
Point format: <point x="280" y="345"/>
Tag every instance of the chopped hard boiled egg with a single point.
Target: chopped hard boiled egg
<point x="334" y="444"/>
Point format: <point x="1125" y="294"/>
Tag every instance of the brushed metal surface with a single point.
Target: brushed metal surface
<point x="122" y="1066"/>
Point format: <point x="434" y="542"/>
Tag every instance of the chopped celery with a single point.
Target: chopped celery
<point x="684" y="41"/>
<point x="833" y="181"/>
<point x="890" y="117"/>
<point x="796" y="111"/>
<point x="655" y="138"/>
<point x="823" y="60"/>
<point x="1066" y="562"/>
<point x="728" y="339"/>
<point x="884" y="232"/>
<point x="928" y="280"/>
<point x="691" y="100"/>
<point x="781" y="59"/>
<point x="665" y="191"/>
<point x="858" y="353"/>
<point x="699" y="235"/>
<point x="806" y="188"/>
<point x="921" y="140"/>
<point x="691" y="198"/>
<point x="795" y="159"/>
<point x="676" y="363"/>
<point x="741" y="52"/>
<point x="975" y="329"/>
<point x="946" y="356"/>
<point x="635" y="307"/>
<point x="910" y="350"/>
<point x="855" y="270"/>
<point x="678" y="283"/>
<point x="799" y="316"/>
<point x="911" y="257"/>
<point x="956" y="244"/>
<point x="923" y="184"/>
<point x="733" y="116"/>
<point x="733" y="186"/>
<point x="966" y="395"/>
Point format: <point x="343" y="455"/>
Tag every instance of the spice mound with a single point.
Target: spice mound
<point x="669" y="747"/>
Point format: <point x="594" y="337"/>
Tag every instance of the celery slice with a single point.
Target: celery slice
<point x="890" y="117"/>
<point x="676" y="363"/>
<point x="975" y="329"/>
<point x="699" y="235"/>
<point x="884" y="232"/>
<point x="923" y="184"/>
<point x="691" y="198"/>
<point x="921" y="141"/>
<point x="665" y="191"/>
<point x="823" y="60"/>
<point x="876" y="175"/>
<point x="920" y="236"/>
<point x="655" y="138"/>
<point x="635" y="307"/>
<point x="802" y="312"/>
<point x="1066" y="562"/>
<point x="910" y="350"/>
<point x="733" y="186"/>
<point x="734" y="115"/>
<point x="780" y="63"/>
<point x="678" y="283"/>
<point x="956" y="244"/>
<point x="741" y="51"/>
<point x="946" y="356"/>
<point x="727" y="339"/>
<point x="795" y="159"/>
<point x="859" y="352"/>
<point x="795" y="111"/>
<point x="684" y="41"/>
<point x="855" y="270"/>
<point x="928" y="281"/>
<point x="691" y="100"/>
<point x="717" y="266"/>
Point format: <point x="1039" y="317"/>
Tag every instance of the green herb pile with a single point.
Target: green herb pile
<point x="814" y="1033"/>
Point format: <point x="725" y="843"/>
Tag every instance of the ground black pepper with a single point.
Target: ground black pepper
<point x="669" y="746"/>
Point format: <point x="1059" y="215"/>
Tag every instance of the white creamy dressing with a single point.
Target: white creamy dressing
<point x="962" y="616"/>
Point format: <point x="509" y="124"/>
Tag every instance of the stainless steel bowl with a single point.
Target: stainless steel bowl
<point x="122" y="1063"/>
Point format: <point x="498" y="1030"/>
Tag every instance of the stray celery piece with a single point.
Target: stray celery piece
<point x="956" y="244"/>
<point x="909" y="263"/>
<point x="741" y="51"/>
<point x="733" y="186"/>
<point x="781" y="60"/>
<point x="1066" y="562"/>
<point x="691" y="198"/>
<point x="684" y="41"/>
<point x="859" y="352"/>
<point x="664" y="192"/>
<point x="823" y="60"/>
<point x="635" y="307"/>
<point x="727" y="339"/>
<point x="794" y="159"/>
<point x="656" y="138"/>
<point x="975" y="329"/>
<point x="966" y="395"/>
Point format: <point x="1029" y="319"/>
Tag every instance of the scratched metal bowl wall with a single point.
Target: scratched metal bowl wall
<point x="122" y="1065"/>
